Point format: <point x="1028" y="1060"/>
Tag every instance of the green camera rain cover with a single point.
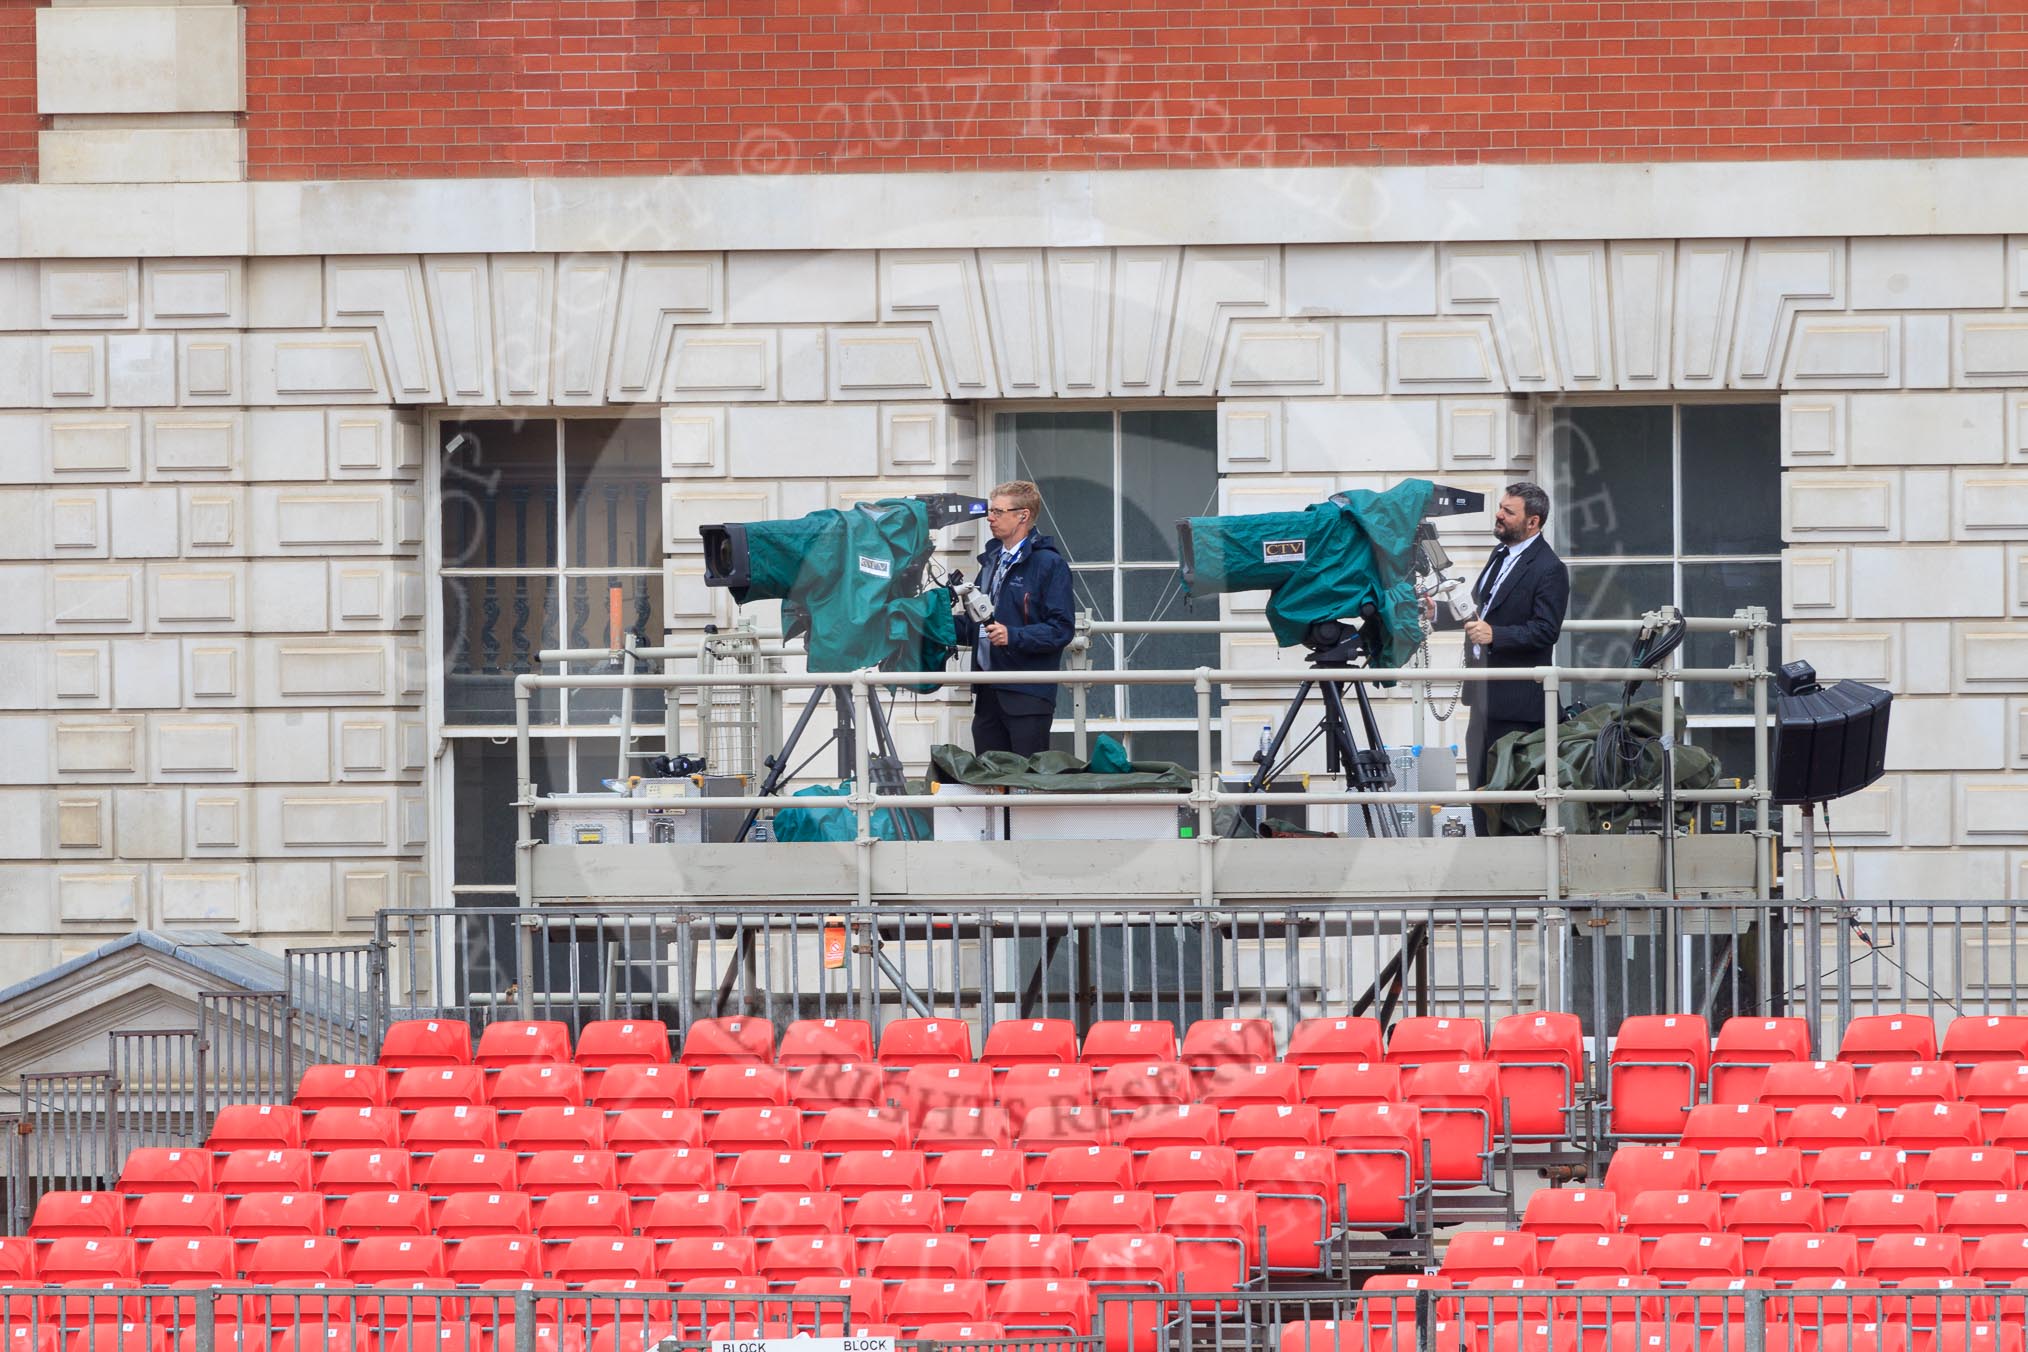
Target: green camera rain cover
<point x="846" y="580"/>
<point x="1325" y="562"/>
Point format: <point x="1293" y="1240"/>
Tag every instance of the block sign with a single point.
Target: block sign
<point x="884" y="1344"/>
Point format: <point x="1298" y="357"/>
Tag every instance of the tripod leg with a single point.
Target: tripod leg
<point x="885" y="766"/>
<point x="778" y="764"/>
<point x="1265" y="769"/>
<point x="1361" y="773"/>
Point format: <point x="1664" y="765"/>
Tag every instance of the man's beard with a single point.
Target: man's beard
<point x="1506" y="534"/>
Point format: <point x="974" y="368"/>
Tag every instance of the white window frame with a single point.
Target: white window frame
<point x="1676" y="400"/>
<point x="992" y="468"/>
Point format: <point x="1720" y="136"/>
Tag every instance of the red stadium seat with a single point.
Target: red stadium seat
<point x="1996" y="1260"/>
<point x="426" y="1042"/>
<point x="1877" y="1212"/>
<point x="729" y="1042"/>
<point x="688" y="1215"/>
<point x="959" y="1174"/>
<point x="1792" y="1257"/>
<point x="771" y="1215"/>
<point x="172" y="1215"/>
<point x="861" y="1171"/>
<point x="605" y="1043"/>
<point x="1541" y="1060"/>
<point x="1163" y="1124"/>
<point x="1209" y="1043"/>
<point x="1760" y="1214"/>
<point x="342" y="1087"/>
<point x="98" y="1215"/>
<point x="608" y="1258"/>
<point x="1006" y="1213"/>
<point x="1426" y="1039"/>
<point x="886" y="1212"/>
<point x="837" y="1084"/>
<point x="1297" y="1188"/>
<point x="340" y="1128"/>
<point x="481" y="1258"/>
<point x="1379" y="1162"/>
<point x="1842" y="1171"/>
<point x="642" y="1086"/>
<point x="1127" y="1085"/>
<point x="155" y="1169"/>
<point x="1996" y="1086"/>
<point x="1893" y="1259"/>
<point x="1068" y="1170"/>
<point x="1712" y="1127"/>
<point x="1791" y="1084"/>
<point x="648" y="1173"/>
<point x="255" y="1126"/>
<point x="799" y="1257"/>
<point x="1555" y="1212"/>
<point x="1964" y="1168"/>
<point x="717" y="1087"/>
<point x="1331" y="1042"/>
<point x="1489" y="1253"/>
<point x="633" y="1130"/>
<point x="944" y="1129"/>
<point x="1461" y="1118"/>
<point x="1030" y="1042"/>
<point x="1916" y="1129"/>
<point x="1088" y="1214"/>
<point x="1170" y="1170"/>
<point x="1659" y="1212"/>
<point x="461" y="1170"/>
<point x="1747" y="1048"/>
<point x="382" y="1213"/>
<point x="866" y="1298"/>
<point x="1680" y="1259"/>
<point x="1353" y="1081"/>
<point x="574" y="1214"/>
<point x="449" y="1127"/>
<point x="810" y="1042"/>
<point x="844" y="1130"/>
<point x="292" y="1262"/>
<point x="395" y="1258"/>
<point x="905" y="1256"/>
<point x="1977" y="1214"/>
<point x="1636" y="1169"/>
<point x="1027" y="1086"/>
<point x="925" y="1042"/>
<point x="1042" y="1305"/>
<point x="1984" y="1336"/>
<point x="912" y="1304"/>
<point x="554" y="1128"/>
<point x="1585" y="1260"/>
<point x="1217" y="1239"/>
<point x="1818" y="1127"/>
<point x="1743" y="1169"/>
<point x="468" y="1215"/>
<point x="548" y="1171"/>
<point x="1233" y="1086"/>
<point x="1873" y="1038"/>
<point x="262" y="1214"/>
<point x="521" y="1044"/>
<point x="1658" y="1066"/>
<point x="1006" y="1255"/>
<point x="1111" y="1042"/>
<point x="188" y="1258"/>
<point x="735" y="1130"/>
<point x="1257" y="1125"/>
<point x="1986" y="1039"/>
<point x="545" y="1085"/>
<point x="245" y="1171"/>
<point x="758" y="1171"/>
<point x="376" y="1169"/>
<point x="1895" y="1084"/>
<point x="419" y="1088"/>
<point x="924" y="1089"/>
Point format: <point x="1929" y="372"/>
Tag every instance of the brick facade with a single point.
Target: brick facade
<point x="565" y="87"/>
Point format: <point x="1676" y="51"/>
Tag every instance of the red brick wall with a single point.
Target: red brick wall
<point x="18" y="119"/>
<point x="555" y="87"/>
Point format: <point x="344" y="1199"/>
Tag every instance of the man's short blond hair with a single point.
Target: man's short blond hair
<point x="1024" y="495"/>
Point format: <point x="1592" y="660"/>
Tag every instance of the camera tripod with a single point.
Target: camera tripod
<point x="1366" y="769"/>
<point x="883" y="764"/>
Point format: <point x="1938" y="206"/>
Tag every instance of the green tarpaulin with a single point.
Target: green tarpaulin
<point x="1517" y="764"/>
<point x="1108" y="770"/>
<point x="801" y="825"/>
<point x="1325" y="562"/>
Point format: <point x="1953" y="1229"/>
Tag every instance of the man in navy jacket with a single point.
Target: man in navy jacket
<point x="1032" y="624"/>
<point x="1522" y="595"/>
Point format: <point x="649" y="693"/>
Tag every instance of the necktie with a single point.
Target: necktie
<point x="1492" y="577"/>
<point x="983" y="654"/>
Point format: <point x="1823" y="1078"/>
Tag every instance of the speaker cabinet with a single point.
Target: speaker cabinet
<point x="1829" y="741"/>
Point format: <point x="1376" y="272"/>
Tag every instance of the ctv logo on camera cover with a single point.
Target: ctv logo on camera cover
<point x="1284" y="551"/>
<point x="875" y="567"/>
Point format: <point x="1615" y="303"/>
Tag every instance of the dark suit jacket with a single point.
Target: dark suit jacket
<point x="1526" y="616"/>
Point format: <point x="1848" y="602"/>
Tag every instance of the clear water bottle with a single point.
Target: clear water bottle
<point x="1267" y="744"/>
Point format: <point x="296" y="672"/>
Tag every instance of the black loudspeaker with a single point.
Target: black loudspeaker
<point x="1829" y="740"/>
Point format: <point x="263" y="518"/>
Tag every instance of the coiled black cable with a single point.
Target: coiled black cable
<point x="1617" y="750"/>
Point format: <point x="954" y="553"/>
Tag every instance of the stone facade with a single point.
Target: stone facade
<point x="211" y="479"/>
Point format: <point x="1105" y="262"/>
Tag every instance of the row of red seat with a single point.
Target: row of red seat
<point x="1562" y="1331"/>
<point x="1759" y="1210"/>
<point x="1781" y="1257"/>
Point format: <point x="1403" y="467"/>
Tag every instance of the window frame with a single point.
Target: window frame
<point x="443" y="734"/>
<point x="1548" y="409"/>
<point x="993" y="470"/>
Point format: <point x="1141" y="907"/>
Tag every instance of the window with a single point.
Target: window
<point x="546" y="526"/>
<point x="1657" y="504"/>
<point x="1114" y="484"/>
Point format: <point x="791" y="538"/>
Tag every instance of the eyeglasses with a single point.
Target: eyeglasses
<point x="1004" y="511"/>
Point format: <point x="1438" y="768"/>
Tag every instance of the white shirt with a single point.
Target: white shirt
<point x="1514" y="553"/>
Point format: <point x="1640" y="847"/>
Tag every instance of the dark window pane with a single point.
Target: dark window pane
<point x="1178" y="747"/>
<point x="1734" y="749"/>
<point x="1612" y="483"/>
<point x="1732" y="479"/>
<point x="1092" y="590"/>
<point x="1154" y="594"/>
<point x="1718" y="589"/>
<point x="1610" y="591"/>
<point x="1069" y="456"/>
<point x="612" y="475"/>
<point x="1168" y="470"/>
<point x="499" y="494"/>
<point x="483" y="828"/>
<point x="590" y="620"/>
<point x="493" y="629"/>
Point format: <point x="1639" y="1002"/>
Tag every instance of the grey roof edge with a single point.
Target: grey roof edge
<point x="225" y="956"/>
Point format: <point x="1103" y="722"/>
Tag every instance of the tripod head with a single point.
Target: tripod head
<point x="1342" y="643"/>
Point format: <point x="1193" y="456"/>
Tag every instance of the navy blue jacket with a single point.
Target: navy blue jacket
<point x="1034" y="603"/>
<point x="1526" y="617"/>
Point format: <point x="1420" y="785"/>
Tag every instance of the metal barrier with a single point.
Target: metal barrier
<point x="857" y="692"/>
<point x="67" y="1130"/>
<point x="159" y="1081"/>
<point x="335" y="997"/>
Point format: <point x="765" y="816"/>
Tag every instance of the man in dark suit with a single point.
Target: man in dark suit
<point x="1522" y="597"/>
